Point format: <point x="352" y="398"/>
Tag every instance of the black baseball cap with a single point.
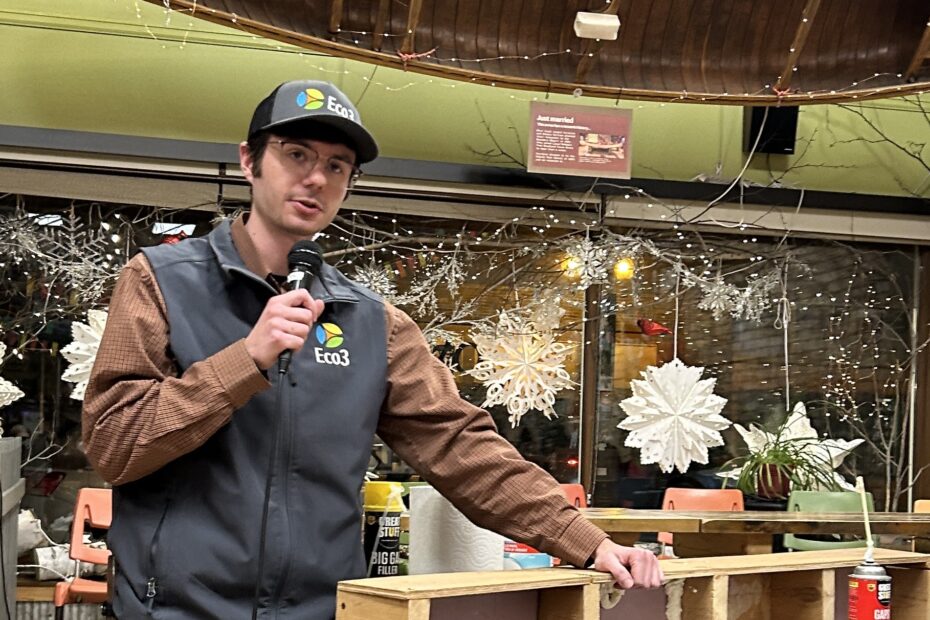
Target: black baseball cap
<point x="313" y="102"/>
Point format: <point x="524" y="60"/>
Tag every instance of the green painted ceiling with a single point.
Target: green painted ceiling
<point x="130" y="67"/>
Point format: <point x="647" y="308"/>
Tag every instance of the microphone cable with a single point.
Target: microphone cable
<point x="267" y="502"/>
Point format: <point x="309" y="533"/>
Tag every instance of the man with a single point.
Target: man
<point x="185" y="404"/>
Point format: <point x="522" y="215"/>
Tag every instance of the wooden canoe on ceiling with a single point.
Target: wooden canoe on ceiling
<point x="759" y="52"/>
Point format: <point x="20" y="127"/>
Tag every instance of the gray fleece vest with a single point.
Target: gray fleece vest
<point x="186" y="538"/>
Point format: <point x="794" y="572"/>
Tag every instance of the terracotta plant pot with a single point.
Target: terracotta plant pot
<point x="773" y="482"/>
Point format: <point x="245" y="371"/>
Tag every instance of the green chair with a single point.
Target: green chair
<point x="825" y="501"/>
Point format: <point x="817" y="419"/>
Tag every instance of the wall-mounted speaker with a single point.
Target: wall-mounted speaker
<point x="778" y="131"/>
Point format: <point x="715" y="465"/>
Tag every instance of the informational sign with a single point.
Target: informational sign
<point x="580" y="140"/>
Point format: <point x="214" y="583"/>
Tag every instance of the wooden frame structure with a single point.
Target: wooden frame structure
<point x="800" y="586"/>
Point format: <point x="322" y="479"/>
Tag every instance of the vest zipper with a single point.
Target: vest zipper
<point x="150" y="592"/>
<point x="150" y="589"/>
<point x="286" y="438"/>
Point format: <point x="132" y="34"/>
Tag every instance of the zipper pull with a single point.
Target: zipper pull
<point x="150" y="592"/>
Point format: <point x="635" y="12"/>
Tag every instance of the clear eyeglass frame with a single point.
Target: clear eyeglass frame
<point x="305" y="158"/>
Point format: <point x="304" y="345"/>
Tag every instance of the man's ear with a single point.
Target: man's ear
<point x="245" y="161"/>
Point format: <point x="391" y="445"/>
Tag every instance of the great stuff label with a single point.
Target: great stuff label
<point x="869" y="593"/>
<point x="382" y="543"/>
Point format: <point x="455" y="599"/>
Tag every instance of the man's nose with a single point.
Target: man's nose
<point x="316" y="176"/>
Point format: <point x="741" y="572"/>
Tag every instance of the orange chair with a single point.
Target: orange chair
<point x="94" y="507"/>
<point x="721" y="500"/>
<point x="575" y="495"/>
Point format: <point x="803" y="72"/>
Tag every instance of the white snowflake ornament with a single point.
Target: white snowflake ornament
<point x="521" y="368"/>
<point x="718" y="297"/>
<point x="673" y="416"/>
<point x="83" y="351"/>
<point x="592" y="262"/>
<point x="8" y="392"/>
<point x="374" y="277"/>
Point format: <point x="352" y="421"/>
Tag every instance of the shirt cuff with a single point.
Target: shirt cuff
<point x="580" y="540"/>
<point x="238" y="373"/>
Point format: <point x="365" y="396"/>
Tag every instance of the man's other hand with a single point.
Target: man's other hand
<point x="630" y="567"/>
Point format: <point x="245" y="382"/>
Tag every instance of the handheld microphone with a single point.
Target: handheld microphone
<point x="304" y="262"/>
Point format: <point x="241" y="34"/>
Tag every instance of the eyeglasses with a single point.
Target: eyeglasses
<point x="303" y="159"/>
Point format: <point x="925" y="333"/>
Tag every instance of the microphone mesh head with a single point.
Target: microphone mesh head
<point x="307" y="255"/>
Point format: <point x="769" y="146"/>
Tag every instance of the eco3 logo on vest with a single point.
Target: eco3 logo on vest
<point x="331" y="337"/>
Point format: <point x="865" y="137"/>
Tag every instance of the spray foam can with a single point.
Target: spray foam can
<point x="869" y="592"/>
<point x="383" y="507"/>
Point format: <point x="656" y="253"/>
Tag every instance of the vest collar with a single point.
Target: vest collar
<point x="327" y="288"/>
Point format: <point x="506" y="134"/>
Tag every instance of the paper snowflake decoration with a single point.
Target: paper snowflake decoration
<point x="797" y="428"/>
<point x="8" y="392"/>
<point x="83" y="351"/>
<point x="547" y="311"/>
<point x="718" y="297"/>
<point x="755" y="298"/>
<point x="673" y="416"/>
<point x="592" y="262"/>
<point x="374" y="277"/>
<point x="747" y="303"/>
<point x="521" y="367"/>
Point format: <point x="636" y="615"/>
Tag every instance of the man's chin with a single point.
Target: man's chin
<point x="306" y="227"/>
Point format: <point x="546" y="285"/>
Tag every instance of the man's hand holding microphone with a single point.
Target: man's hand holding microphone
<point x="285" y="323"/>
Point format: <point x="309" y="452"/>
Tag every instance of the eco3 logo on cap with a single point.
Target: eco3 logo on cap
<point x="331" y="337"/>
<point x="311" y="99"/>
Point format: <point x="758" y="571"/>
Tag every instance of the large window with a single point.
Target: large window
<point x="736" y="305"/>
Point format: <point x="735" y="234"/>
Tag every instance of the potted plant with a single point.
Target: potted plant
<point x="792" y="457"/>
<point x="780" y="465"/>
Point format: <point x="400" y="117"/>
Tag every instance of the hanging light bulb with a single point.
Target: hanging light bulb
<point x="623" y="269"/>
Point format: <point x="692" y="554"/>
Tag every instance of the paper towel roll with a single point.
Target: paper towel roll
<point x="442" y="540"/>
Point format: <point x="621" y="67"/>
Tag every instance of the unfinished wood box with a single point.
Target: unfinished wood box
<point x="797" y="586"/>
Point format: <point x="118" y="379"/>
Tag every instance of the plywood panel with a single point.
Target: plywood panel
<point x="782" y="562"/>
<point x="705" y="545"/>
<point x="466" y="584"/>
<point x="639" y="605"/>
<point x="705" y="598"/>
<point x="511" y="605"/>
<point x="570" y="603"/>
<point x="354" y="606"/>
<point x="910" y="592"/>
<point x="808" y="594"/>
<point x="748" y="598"/>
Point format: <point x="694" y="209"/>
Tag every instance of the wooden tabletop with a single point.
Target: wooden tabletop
<point x="756" y="522"/>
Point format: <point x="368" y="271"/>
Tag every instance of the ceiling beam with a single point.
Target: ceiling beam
<point x="354" y="52"/>
<point x="921" y="55"/>
<point x="384" y="10"/>
<point x="800" y="38"/>
<point x="413" y="18"/>
<point x="335" y="16"/>
<point x="592" y="47"/>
